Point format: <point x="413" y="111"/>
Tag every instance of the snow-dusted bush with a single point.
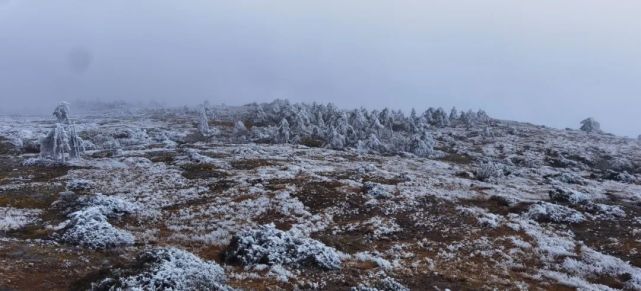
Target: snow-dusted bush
<point x="377" y="191"/>
<point x="384" y="284"/>
<point x="568" y="196"/>
<point x="590" y="125"/>
<point x="62" y="140"/>
<point x="487" y="171"/>
<point x="203" y="121"/>
<point x="569" y="178"/>
<point x="283" y="132"/>
<point x="240" y="128"/>
<point x="271" y="246"/>
<point x="544" y="211"/>
<point x="89" y="227"/>
<point x="15" y="218"/>
<point x="79" y="185"/>
<point x="421" y="145"/>
<point x="170" y="269"/>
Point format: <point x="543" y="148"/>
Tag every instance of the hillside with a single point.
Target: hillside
<point x="283" y="196"/>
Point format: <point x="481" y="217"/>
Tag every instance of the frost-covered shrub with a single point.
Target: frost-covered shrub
<point x="283" y="132"/>
<point x="623" y="177"/>
<point x="203" y="121"/>
<point x="79" y="185"/>
<point x="62" y="140"/>
<point x="606" y="211"/>
<point x="568" y="196"/>
<point x="377" y="191"/>
<point x="421" y="145"/>
<point x="15" y="218"/>
<point x="270" y="246"/>
<point x="240" y="128"/>
<point x="590" y="125"/>
<point x="568" y="178"/>
<point x="487" y="171"/>
<point x="544" y="212"/>
<point x="170" y="269"/>
<point x="384" y="284"/>
<point x="89" y="227"/>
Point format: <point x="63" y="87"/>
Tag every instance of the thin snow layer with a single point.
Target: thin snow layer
<point x="16" y="218"/>
<point x="175" y="269"/>
<point x="90" y="227"/>
<point x="271" y="246"/>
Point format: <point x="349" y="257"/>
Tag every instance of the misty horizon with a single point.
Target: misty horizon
<point x="547" y="63"/>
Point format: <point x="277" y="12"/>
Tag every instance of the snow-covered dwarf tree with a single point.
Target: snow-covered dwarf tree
<point x="454" y="116"/>
<point x="590" y="125"/>
<point x="282" y="134"/>
<point x="240" y="129"/>
<point x="440" y="118"/>
<point x="203" y="122"/>
<point x="421" y="144"/>
<point x="62" y="140"/>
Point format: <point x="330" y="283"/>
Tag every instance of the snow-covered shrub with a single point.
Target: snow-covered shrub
<point x="544" y="211"/>
<point x="607" y="211"/>
<point x="62" y="112"/>
<point x="15" y="218"/>
<point x="372" y="144"/>
<point x="569" y="178"/>
<point x="203" y="121"/>
<point x="170" y="269"/>
<point x="590" y="125"/>
<point x="377" y="191"/>
<point x="568" y="196"/>
<point x="89" y="227"/>
<point x="239" y="128"/>
<point x="487" y="171"/>
<point x="623" y="177"/>
<point x="384" y="284"/>
<point x="271" y="246"/>
<point x="63" y="139"/>
<point x="421" y="145"/>
<point x="283" y="132"/>
<point x="79" y="185"/>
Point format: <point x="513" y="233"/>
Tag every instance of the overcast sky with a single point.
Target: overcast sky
<point x="551" y="62"/>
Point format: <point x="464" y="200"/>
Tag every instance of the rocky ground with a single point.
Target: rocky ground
<point x="154" y="204"/>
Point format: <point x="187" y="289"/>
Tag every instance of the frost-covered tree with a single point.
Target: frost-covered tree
<point x="336" y="140"/>
<point x="282" y="135"/>
<point x="240" y="128"/>
<point x="482" y="116"/>
<point x="203" y="121"/>
<point x="590" y="125"/>
<point x="454" y="116"/>
<point x="440" y="118"/>
<point x="422" y="144"/>
<point x="62" y="112"/>
<point x="62" y="140"/>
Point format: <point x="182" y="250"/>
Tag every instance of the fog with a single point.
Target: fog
<point x="547" y="61"/>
